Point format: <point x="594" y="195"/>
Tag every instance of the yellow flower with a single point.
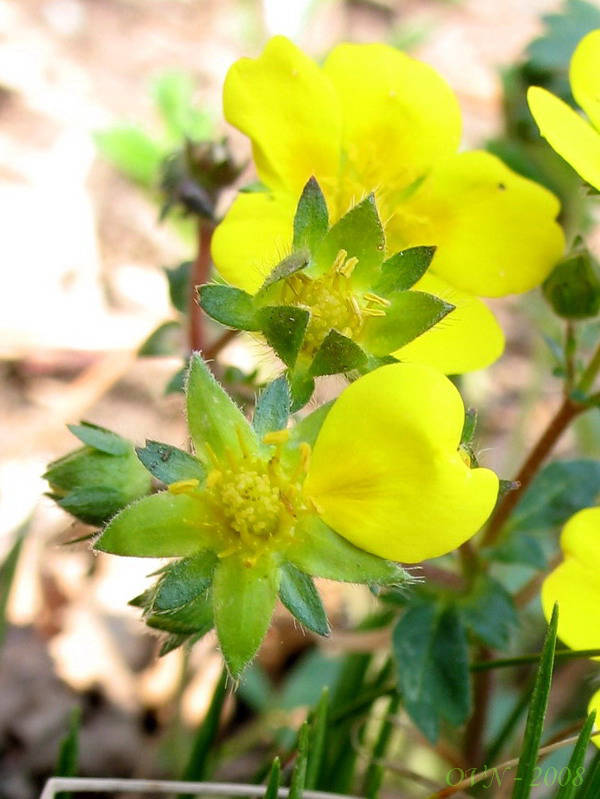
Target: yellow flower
<point x="575" y="584"/>
<point x="374" y="120"/>
<point x="573" y="138"/>
<point x="378" y="475"/>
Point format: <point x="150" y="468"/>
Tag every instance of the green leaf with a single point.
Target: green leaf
<point x="169" y="464"/>
<point x="319" y="719"/>
<point x="184" y="581"/>
<point x="283" y="327"/>
<point x="8" y="569"/>
<point x="165" y="340"/>
<point x="403" y="270"/>
<point x="293" y="263"/>
<point x="320" y="552"/>
<point x="430" y="648"/>
<point x="299" y="773"/>
<point x="230" y="306"/>
<point x="195" y="618"/>
<point x="591" y="784"/>
<point x="174" y="96"/>
<point x="179" y="285"/>
<point x="489" y="612"/>
<point x="205" y="739"/>
<point x="132" y="152"/>
<point x="553" y="50"/>
<point x="299" y="595"/>
<point x="163" y="525"/>
<point x="311" y="221"/>
<point x="176" y="384"/>
<point x="68" y="752"/>
<point x="577" y="759"/>
<point x="100" y="438"/>
<point x="302" y="387"/>
<point x="410" y="315"/>
<point x="272" y="791"/>
<point x="375" y="772"/>
<point x="93" y="504"/>
<point x="337" y="354"/>
<point x="518" y="547"/>
<point x="216" y="423"/>
<point x="360" y="234"/>
<point x="272" y="408"/>
<point x="537" y="714"/>
<point x="244" y="598"/>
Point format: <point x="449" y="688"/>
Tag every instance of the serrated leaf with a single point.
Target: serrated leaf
<point x="299" y="595"/>
<point x="337" y="354"/>
<point x="489" y="612"/>
<point x="564" y="30"/>
<point x="244" y="599"/>
<point x="184" y="581"/>
<point x="284" y="327"/>
<point x="401" y="271"/>
<point x="311" y="221"/>
<point x="100" y="438"/>
<point x="169" y="464"/>
<point x="230" y="306"/>
<point x="410" y="314"/>
<point x="178" y="278"/>
<point x="165" y="340"/>
<point x="360" y="234"/>
<point x="537" y="714"/>
<point x="272" y="408"/>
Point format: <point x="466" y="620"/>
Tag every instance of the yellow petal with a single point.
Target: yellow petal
<point x="290" y="111"/>
<point x="595" y="705"/>
<point x="567" y="133"/>
<point x="580" y="539"/>
<point x="576" y="588"/>
<point x="585" y="76"/>
<point x="400" y="117"/>
<point x="495" y="231"/>
<point x="469" y="338"/>
<point x="391" y="481"/>
<point x="255" y="235"/>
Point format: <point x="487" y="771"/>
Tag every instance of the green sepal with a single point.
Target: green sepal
<point x="179" y="285"/>
<point x="215" y="422"/>
<point x="299" y="595"/>
<point x="337" y="354"/>
<point x="169" y="464"/>
<point x="469" y="426"/>
<point x="243" y="598"/>
<point x="360" y="234"/>
<point x="176" y="384"/>
<point x="291" y="264"/>
<point x="100" y="438"/>
<point x="302" y="387"/>
<point x="172" y="642"/>
<point x="163" y="525"/>
<point x="431" y="651"/>
<point x="194" y="618"/>
<point x="320" y="552"/>
<point x="93" y="504"/>
<point x="283" y="327"/>
<point x="488" y="611"/>
<point x="410" y="315"/>
<point x="184" y="581"/>
<point x="311" y="221"/>
<point x="402" y="270"/>
<point x="272" y="408"/>
<point x="230" y="306"/>
<point x="573" y="288"/>
<point x="165" y="340"/>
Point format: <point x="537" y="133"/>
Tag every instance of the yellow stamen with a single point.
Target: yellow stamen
<point x="370" y="297"/>
<point x="347" y="268"/>
<point x="276" y="437"/>
<point x="338" y="262"/>
<point x="213" y="478"/>
<point x="184" y="486"/>
<point x="373" y="312"/>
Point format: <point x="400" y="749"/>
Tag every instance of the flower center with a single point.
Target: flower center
<point x="332" y="302"/>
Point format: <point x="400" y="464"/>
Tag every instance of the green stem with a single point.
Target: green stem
<point x="590" y="373"/>
<point x="521" y="660"/>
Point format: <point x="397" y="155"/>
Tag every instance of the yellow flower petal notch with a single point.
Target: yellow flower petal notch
<point x="375" y="121"/>
<point x="575" y="584"/>
<point x="398" y="486"/>
<point x="567" y="132"/>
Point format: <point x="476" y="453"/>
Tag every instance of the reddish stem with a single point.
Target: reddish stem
<point x="199" y="274"/>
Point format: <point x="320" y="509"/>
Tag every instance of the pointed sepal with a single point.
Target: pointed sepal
<point x="337" y="354"/>
<point x="230" y="306"/>
<point x="402" y="270"/>
<point x="272" y="408"/>
<point x="284" y="327"/>
<point x="169" y="464"/>
<point x="299" y="595"/>
<point x="311" y="221"/>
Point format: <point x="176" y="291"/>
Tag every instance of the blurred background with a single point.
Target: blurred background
<point x="83" y="286"/>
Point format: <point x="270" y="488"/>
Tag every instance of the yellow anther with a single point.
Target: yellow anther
<point x="347" y="268"/>
<point x="370" y="297"/>
<point x="212" y="454"/>
<point x="339" y="260"/>
<point x="214" y="476"/>
<point x="242" y="442"/>
<point x="305" y="452"/>
<point x="355" y="307"/>
<point x="276" y="437"/>
<point x="184" y="486"/>
<point x="373" y="312"/>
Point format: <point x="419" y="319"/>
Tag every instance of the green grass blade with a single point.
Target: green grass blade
<point x="318" y="736"/>
<point x="68" y="753"/>
<point x="591" y="783"/>
<point x="375" y="773"/>
<point x="537" y="713"/>
<point x="8" y="570"/>
<point x="576" y="761"/>
<point x="298" y="780"/>
<point x="510" y="724"/>
<point x="198" y="765"/>
<point x="272" y="791"/>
